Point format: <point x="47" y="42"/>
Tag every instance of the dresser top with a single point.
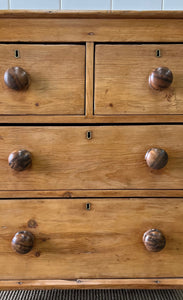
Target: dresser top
<point x="91" y="14"/>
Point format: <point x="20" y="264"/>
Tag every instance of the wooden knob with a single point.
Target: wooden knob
<point x="160" y="78"/>
<point x="154" y="240"/>
<point x="156" y="158"/>
<point x="20" y="160"/>
<point x="16" y="78"/>
<point x="23" y="242"/>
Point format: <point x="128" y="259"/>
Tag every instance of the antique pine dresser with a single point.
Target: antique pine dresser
<point x="91" y="149"/>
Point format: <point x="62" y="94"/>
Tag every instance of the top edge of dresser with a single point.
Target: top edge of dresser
<point x="96" y="14"/>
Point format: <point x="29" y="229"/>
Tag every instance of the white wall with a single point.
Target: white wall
<point x="93" y="4"/>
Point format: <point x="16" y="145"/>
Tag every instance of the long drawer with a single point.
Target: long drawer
<point x="90" y="157"/>
<point x="89" y="238"/>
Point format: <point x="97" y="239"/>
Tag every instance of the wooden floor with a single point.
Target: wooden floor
<point x="93" y="295"/>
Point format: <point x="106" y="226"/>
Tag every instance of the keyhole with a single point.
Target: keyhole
<point x="89" y="135"/>
<point x="158" y="53"/>
<point x="88" y="206"/>
<point x="17" y="54"/>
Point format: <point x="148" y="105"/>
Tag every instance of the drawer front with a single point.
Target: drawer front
<point x="52" y="81"/>
<point x="113" y="158"/>
<point x="106" y="241"/>
<point x="122" y="79"/>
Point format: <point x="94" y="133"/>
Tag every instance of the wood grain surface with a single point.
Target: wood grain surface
<point x="78" y="29"/>
<point x="89" y="79"/>
<point x="122" y="75"/>
<point x="72" y="242"/>
<point x="91" y="119"/>
<point x="89" y="193"/>
<point x="113" y="159"/>
<point x="97" y="14"/>
<point x="57" y="76"/>
<point x="75" y="241"/>
<point x="89" y="27"/>
<point x="137" y="283"/>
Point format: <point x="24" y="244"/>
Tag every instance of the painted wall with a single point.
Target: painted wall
<point x="93" y="4"/>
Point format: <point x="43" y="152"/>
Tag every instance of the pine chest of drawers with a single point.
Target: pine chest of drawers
<point x="91" y="159"/>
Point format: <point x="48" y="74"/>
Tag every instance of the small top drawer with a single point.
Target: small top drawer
<point x="42" y="79"/>
<point x="122" y="75"/>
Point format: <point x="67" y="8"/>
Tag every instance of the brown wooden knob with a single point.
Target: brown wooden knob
<point x="160" y="78"/>
<point x="156" y="158"/>
<point x="154" y="240"/>
<point x="20" y="160"/>
<point x="23" y="242"/>
<point x="16" y="78"/>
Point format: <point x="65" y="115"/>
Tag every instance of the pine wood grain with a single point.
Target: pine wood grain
<point x="104" y="242"/>
<point x="89" y="78"/>
<point x="101" y="247"/>
<point x="121" y="79"/>
<point x="154" y="283"/>
<point x="57" y="80"/>
<point x="92" y="119"/>
<point x="90" y="30"/>
<point x="98" y="14"/>
<point x="71" y="193"/>
<point x="114" y="159"/>
<point x="61" y="27"/>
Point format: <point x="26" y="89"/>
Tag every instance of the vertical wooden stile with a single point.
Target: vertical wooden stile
<point x="89" y="78"/>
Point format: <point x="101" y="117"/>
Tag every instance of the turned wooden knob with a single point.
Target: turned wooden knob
<point x="20" y="160"/>
<point x="16" y="78"/>
<point x="23" y="242"/>
<point x="154" y="240"/>
<point x="156" y="158"/>
<point x="160" y="78"/>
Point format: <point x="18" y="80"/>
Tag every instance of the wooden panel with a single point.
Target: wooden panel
<point x="146" y="283"/>
<point x="104" y="242"/>
<point x="100" y="14"/>
<point x="89" y="78"/>
<point x="57" y="80"/>
<point x="121" y="79"/>
<point x="90" y="30"/>
<point x="88" y="193"/>
<point x="91" y="119"/>
<point x="64" y="159"/>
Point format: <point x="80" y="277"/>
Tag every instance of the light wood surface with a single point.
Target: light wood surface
<point x="154" y="283"/>
<point x="72" y="202"/>
<point x="74" y="193"/>
<point x="121" y="79"/>
<point x="57" y="80"/>
<point x="97" y="14"/>
<point x="72" y="242"/>
<point x="89" y="79"/>
<point x="90" y="30"/>
<point x="113" y="159"/>
<point x="89" y="27"/>
<point x="92" y="119"/>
